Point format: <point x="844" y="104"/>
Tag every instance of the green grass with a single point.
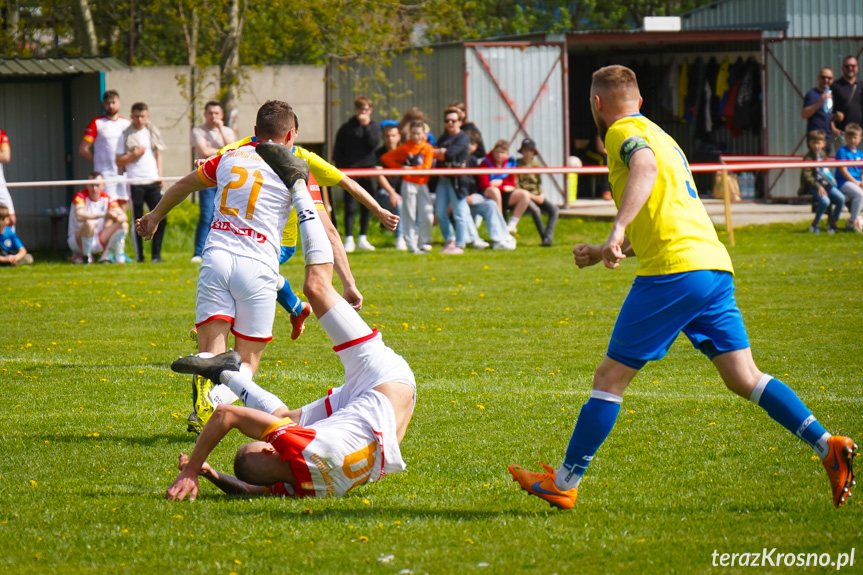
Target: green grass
<point x="503" y="346"/>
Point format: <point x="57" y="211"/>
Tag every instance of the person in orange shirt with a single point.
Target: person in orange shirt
<point x="417" y="211"/>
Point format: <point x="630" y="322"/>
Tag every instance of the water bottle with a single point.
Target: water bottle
<point x="828" y="103"/>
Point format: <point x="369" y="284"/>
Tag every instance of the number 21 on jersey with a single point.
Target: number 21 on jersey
<point x="240" y="185"/>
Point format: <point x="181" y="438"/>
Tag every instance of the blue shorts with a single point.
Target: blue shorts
<point x="700" y="303"/>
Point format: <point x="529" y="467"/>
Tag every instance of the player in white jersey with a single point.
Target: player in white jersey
<point x="344" y="439"/>
<point x="97" y="224"/>
<point x="99" y="145"/>
<point x="236" y="286"/>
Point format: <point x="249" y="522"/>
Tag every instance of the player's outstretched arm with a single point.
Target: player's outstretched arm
<point x="227" y="483"/>
<point x="389" y="219"/>
<point x="146" y="226"/>
<point x="250" y="422"/>
<point x="587" y="255"/>
<point x="340" y="263"/>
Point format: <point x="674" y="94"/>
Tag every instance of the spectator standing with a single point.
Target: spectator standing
<point x="847" y="96"/>
<point x="471" y="129"/>
<point x="451" y="192"/>
<point x="848" y="177"/>
<point x="207" y="140"/>
<point x="390" y="185"/>
<point x="355" y="146"/>
<point x="100" y="142"/>
<point x="818" y="107"/>
<point x="501" y="187"/>
<point x="12" y="251"/>
<point x="532" y="183"/>
<point x="820" y="183"/>
<point x="139" y="152"/>
<point x="5" y="196"/>
<point x="97" y="224"/>
<point x="404" y="125"/>
<point x="417" y="217"/>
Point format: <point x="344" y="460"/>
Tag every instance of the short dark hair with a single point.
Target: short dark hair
<point x="361" y="102"/>
<point x="110" y="94"/>
<point x="212" y="103"/>
<point x="417" y="124"/>
<point x="275" y="119"/>
<point x="93" y="175"/>
<point x="296" y="122"/>
<point x="816" y="136"/>
<point x="139" y="107"/>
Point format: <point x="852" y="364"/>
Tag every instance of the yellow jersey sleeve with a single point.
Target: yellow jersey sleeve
<point x="324" y="172"/>
<point x="672" y="233"/>
<point x="289" y="236"/>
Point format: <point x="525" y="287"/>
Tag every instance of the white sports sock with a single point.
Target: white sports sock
<point x="565" y="479"/>
<point x="343" y="324"/>
<point x="253" y="395"/>
<point x="280" y="283"/>
<point x="821" y="448"/>
<point x="87" y="245"/>
<point x="513" y="221"/>
<point x="317" y="248"/>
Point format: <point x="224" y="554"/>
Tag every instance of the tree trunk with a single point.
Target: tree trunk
<point x="85" y="29"/>
<point x="229" y="63"/>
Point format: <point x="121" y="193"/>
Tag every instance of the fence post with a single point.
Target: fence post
<point x="727" y="199"/>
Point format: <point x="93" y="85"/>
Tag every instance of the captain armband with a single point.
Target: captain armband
<point x="631" y="145"/>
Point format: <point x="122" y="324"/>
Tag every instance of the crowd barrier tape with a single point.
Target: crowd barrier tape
<point x="738" y="166"/>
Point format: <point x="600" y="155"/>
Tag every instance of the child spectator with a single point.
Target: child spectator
<point x="501" y="187"/>
<point x="391" y="137"/>
<point x="12" y="251"/>
<point x="820" y="183"/>
<point x="485" y="209"/>
<point x="97" y="224"/>
<point x="848" y="177"/>
<point x="417" y="215"/>
<point x="533" y="184"/>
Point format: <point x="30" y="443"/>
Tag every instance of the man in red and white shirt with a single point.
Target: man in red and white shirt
<point x="237" y="281"/>
<point x="97" y="224"/>
<point x="99" y="145"/>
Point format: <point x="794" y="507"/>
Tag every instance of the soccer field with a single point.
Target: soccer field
<point x="503" y="345"/>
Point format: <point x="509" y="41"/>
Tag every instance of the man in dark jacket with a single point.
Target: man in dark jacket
<point x="355" y="146"/>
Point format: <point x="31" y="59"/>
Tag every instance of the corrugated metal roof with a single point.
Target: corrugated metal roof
<point x="57" y="66"/>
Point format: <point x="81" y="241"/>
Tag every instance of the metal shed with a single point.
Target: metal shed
<point x="799" y="37"/>
<point x="790" y="40"/>
<point x="45" y="105"/>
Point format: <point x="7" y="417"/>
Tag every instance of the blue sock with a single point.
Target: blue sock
<point x="289" y="300"/>
<point x="595" y="421"/>
<point x="782" y="404"/>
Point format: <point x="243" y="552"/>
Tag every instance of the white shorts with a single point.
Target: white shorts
<point x="117" y="190"/>
<point x="239" y="290"/>
<point x="367" y="364"/>
<point x="6" y="199"/>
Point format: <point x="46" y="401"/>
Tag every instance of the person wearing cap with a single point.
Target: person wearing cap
<point x="539" y="204"/>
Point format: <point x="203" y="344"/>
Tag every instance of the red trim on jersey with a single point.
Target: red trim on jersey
<point x="226" y="318"/>
<point x="354" y="342"/>
<point x="289" y="441"/>
<point x="327" y="403"/>
<point x="250" y="338"/>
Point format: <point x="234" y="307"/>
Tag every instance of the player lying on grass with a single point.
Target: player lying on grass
<point x="684" y="283"/>
<point x="329" y="446"/>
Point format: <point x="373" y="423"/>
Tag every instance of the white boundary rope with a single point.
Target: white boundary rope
<point x="738" y="166"/>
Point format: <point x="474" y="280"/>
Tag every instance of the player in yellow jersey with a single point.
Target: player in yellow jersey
<point x="684" y="283"/>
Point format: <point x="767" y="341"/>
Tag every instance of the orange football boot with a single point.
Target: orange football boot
<point x="839" y="465"/>
<point x="299" y="322"/>
<point x="542" y="485"/>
